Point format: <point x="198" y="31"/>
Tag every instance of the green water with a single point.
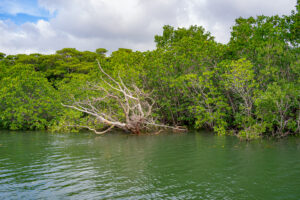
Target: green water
<point x="41" y="165"/>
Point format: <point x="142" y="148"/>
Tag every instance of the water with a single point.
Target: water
<point x="39" y="165"/>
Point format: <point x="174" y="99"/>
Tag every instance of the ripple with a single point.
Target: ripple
<point x="184" y="166"/>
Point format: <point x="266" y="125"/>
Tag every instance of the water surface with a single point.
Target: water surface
<point x="39" y="165"/>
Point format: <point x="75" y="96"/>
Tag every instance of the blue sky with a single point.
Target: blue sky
<point x="22" y="11"/>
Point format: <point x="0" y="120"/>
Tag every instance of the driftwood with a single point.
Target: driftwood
<point x="136" y="106"/>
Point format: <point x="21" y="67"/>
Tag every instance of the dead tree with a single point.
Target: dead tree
<point x="135" y="104"/>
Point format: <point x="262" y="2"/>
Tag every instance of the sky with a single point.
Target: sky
<point x="44" y="26"/>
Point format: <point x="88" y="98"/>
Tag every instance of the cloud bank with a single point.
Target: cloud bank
<point x="111" y="24"/>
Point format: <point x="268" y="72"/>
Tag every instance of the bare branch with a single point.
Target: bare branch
<point x="134" y="102"/>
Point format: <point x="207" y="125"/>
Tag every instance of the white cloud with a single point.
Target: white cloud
<point x="90" y="24"/>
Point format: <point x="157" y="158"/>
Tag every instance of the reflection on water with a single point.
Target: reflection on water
<point x="39" y="165"/>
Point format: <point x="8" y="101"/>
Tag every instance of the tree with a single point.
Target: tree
<point x="210" y="106"/>
<point x="270" y="43"/>
<point x="27" y="100"/>
<point x="116" y="105"/>
<point x="2" y="55"/>
<point x="101" y="51"/>
<point x="180" y="53"/>
<point x="240" y="79"/>
<point x="278" y="107"/>
<point x="249" y="86"/>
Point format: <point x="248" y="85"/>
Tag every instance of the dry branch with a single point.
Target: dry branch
<point x="136" y="105"/>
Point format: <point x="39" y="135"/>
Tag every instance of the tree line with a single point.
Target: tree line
<point x="248" y="87"/>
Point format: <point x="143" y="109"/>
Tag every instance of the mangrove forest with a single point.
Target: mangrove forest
<point x="249" y="87"/>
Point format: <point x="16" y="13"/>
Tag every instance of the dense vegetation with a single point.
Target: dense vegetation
<point x="249" y="87"/>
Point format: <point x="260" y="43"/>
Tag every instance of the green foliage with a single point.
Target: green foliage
<point x="181" y="53"/>
<point x="252" y="132"/>
<point x="125" y="64"/>
<point x="276" y="108"/>
<point x="101" y="51"/>
<point x="27" y="100"/>
<point x="2" y="55"/>
<point x="239" y="78"/>
<point x="270" y="43"/>
<point x="248" y="87"/>
<point x="210" y="106"/>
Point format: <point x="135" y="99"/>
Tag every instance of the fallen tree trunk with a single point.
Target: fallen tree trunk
<point x="135" y="104"/>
